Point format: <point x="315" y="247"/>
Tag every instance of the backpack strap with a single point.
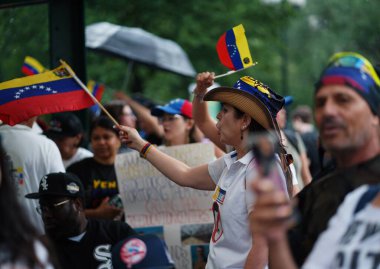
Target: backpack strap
<point x="367" y="197"/>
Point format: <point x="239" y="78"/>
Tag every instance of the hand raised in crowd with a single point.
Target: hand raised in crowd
<point x="131" y="137"/>
<point x="119" y="95"/>
<point x="204" y="80"/>
<point x="108" y="211"/>
<point x="272" y="211"/>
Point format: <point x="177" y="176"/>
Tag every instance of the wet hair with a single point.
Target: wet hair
<point x="255" y="127"/>
<point x="115" y="108"/>
<point x="17" y="234"/>
<point x="191" y="131"/>
<point x="105" y="123"/>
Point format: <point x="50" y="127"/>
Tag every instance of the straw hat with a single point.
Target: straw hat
<point x="252" y="97"/>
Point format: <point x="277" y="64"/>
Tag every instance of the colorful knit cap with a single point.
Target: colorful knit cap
<point x="356" y="72"/>
<point x="357" y="80"/>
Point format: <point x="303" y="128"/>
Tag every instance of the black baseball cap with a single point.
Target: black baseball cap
<point x="64" y="125"/>
<point x="58" y="184"/>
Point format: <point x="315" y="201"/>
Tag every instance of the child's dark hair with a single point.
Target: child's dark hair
<point x="105" y="123"/>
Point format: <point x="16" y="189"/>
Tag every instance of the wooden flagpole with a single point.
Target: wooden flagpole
<point x="68" y="68"/>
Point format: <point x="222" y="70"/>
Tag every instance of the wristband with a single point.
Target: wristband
<point x="144" y="151"/>
<point x="199" y="96"/>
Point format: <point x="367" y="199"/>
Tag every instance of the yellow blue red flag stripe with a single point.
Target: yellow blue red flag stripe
<point x="49" y="92"/>
<point x="233" y="50"/>
<point x="32" y="67"/>
<point x="97" y="90"/>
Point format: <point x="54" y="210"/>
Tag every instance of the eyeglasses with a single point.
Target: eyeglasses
<point x="50" y="208"/>
<point x="169" y="118"/>
<point x="352" y="59"/>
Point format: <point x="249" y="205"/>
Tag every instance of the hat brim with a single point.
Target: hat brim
<point x="243" y="101"/>
<point x="37" y="195"/>
<point x="160" y="110"/>
<point x="34" y="195"/>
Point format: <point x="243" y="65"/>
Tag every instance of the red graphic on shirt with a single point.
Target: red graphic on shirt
<point x="218" y="229"/>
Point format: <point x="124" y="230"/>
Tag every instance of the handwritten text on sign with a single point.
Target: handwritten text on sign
<point x="151" y="199"/>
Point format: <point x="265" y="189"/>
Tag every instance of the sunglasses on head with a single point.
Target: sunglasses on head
<point x="352" y="59"/>
<point x="169" y="118"/>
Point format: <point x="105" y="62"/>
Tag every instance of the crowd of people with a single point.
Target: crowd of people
<point x="310" y="199"/>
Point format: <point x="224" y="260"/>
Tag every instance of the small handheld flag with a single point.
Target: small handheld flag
<point x="233" y="50"/>
<point x="96" y="90"/>
<point x="32" y="67"/>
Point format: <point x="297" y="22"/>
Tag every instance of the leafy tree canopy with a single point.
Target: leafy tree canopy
<point x="291" y="44"/>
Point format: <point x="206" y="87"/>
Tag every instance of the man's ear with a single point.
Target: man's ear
<point x="78" y="203"/>
<point x="376" y="120"/>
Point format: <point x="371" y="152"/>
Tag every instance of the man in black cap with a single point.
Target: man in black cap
<point x="66" y="130"/>
<point x="79" y="242"/>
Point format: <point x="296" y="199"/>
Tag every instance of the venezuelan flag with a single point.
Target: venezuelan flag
<point x="32" y="67"/>
<point x="49" y="92"/>
<point x="96" y="90"/>
<point x="233" y="50"/>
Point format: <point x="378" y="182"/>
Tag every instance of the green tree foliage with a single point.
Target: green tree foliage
<point x="291" y="44"/>
<point x="325" y="27"/>
<point x="23" y="31"/>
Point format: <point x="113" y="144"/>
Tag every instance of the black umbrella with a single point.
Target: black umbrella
<point x="138" y="45"/>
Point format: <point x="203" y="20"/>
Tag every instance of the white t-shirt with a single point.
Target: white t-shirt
<point x="32" y="156"/>
<point x="231" y="239"/>
<point x="351" y="240"/>
<point x="81" y="154"/>
<point x="41" y="254"/>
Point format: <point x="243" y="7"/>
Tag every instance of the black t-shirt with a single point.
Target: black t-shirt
<point x="320" y="199"/>
<point x="99" y="180"/>
<point x="94" y="249"/>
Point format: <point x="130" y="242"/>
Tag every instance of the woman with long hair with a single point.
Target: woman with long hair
<point x="20" y="245"/>
<point x="249" y="107"/>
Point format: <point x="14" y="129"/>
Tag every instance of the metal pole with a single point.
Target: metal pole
<point x="127" y="76"/>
